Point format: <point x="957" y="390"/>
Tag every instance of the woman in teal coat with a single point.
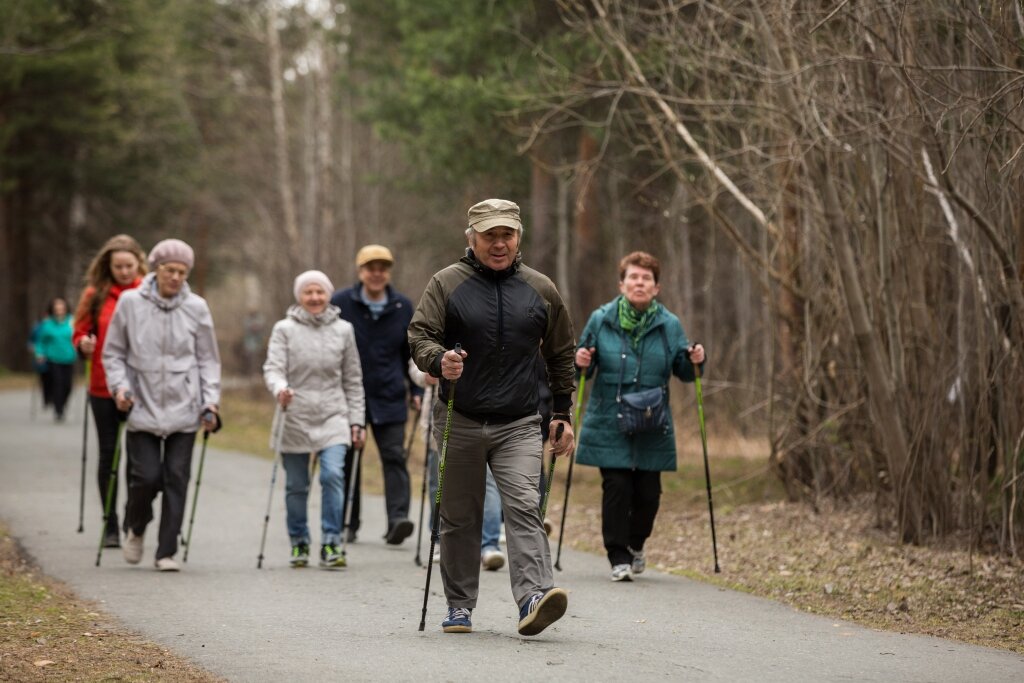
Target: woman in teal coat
<point x="632" y="344"/>
<point x="54" y="348"/>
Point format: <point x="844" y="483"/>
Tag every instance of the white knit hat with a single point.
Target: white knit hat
<point x="309" y="277"/>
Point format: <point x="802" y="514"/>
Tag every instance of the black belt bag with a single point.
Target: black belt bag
<point x="641" y="411"/>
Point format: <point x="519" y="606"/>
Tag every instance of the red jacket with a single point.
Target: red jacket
<point x="85" y="325"/>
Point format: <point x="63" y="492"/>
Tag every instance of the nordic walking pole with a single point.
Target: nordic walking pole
<point x="435" y="530"/>
<point x="426" y="474"/>
<point x="281" y="415"/>
<point x="85" y="436"/>
<point x="352" y="479"/>
<point x="572" y="459"/>
<point x="111" y="483"/>
<point x="199" y="480"/>
<point x="551" y="470"/>
<point x="707" y="469"/>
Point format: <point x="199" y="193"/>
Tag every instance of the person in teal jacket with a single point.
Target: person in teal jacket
<point x="631" y="344"/>
<point x="54" y="348"/>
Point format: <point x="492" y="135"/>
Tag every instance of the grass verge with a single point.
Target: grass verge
<point x="49" y="634"/>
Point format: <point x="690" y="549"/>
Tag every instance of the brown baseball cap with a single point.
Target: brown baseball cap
<point x="373" y="252"/>
<point x="492" y="213"/>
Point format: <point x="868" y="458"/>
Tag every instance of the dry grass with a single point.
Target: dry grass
<point x="49" y="634"/>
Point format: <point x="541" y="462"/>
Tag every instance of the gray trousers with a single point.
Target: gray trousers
<point x="513" y="451"/>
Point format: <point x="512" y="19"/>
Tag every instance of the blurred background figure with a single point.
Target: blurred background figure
<point x="54" y="349"/>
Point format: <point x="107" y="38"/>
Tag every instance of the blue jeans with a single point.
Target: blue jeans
<point x="332" y="488"/>
<point x="492" y="505"/>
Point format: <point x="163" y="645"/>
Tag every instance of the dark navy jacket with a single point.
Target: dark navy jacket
<point x="383" y="352"/>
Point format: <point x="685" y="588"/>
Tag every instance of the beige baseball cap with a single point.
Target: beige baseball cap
<point x="373" y="252"/>
<point x="492" y="213"/>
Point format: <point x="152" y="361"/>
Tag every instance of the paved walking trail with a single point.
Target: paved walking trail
<point x="360" y="623"/>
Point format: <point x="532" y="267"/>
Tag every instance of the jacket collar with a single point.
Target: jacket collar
<point x="148" y="291"/>
<point x="355" y="294"/>
<point x="329" y="315"/>
<point x="611" y="316"/>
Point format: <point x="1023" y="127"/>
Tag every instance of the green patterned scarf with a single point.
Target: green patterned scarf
<point x="633" y="322"/>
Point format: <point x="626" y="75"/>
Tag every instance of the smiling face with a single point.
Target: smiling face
<point x="497" y="247"/>
<point x="124" y="267"/>
<point x="313" y="298"/>
<point x="375" y="277"/>
<point x="170" y="277"/>
<point x="639" y="287"/>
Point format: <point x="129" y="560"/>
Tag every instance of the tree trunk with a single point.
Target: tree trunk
<point x="882" y="398"/>
<point x="282" y="160"/>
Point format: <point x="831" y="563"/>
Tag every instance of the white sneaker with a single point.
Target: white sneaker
<point x="132" y="547"/>
<point x="639" y="561"/>
<point x="492" y="559"/>
<point x="622" y="572"/>
<point x="167" y="564"/>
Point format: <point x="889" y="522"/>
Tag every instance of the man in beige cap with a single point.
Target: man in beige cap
<point x="380" y="316"/>
<point x="503" y="314"/>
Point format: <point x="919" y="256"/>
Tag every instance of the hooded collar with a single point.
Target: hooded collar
<point x="327" y="316"/>
<point x="148" y="290"/>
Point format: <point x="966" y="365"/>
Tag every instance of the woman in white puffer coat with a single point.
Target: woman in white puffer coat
<point x="313" y="371"/>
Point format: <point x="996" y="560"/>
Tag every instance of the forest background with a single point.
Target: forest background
<point x="834" y="189"/>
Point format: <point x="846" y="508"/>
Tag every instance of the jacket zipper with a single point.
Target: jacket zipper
<point x="501" y="316"/>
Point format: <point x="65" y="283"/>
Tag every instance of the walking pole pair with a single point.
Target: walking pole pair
<point x="85" y="436"/>
<point x="572" y="459"/>
<point x="199" y="480"/>
<point x="426" y="474"/>
<point x="111" y="483"/>
<point x="279" y="418"/>
<point x="707" y="469"/>
<point x="435" y="528"/>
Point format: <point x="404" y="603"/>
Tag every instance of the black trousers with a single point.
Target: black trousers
<point x="158" y="465"/>
<point x="388" y="438"/>
<point x="107" y="417"/>
<point x="628" y="507"/>
<point x="60" y="385"/>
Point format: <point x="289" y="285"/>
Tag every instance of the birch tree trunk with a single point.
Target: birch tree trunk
<point x="282" y="160"/>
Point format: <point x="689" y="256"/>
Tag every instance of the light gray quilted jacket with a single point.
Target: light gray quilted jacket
<point x="164" y="351"/>
<point x="315" y="356"/>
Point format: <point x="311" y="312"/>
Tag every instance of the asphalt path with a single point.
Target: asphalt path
<point x="361" y="623"/>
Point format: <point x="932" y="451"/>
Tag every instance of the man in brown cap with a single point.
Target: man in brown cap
<point x="503" y="314"/>
<point x="380" y="316"/>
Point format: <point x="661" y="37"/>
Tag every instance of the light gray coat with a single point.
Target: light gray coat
<point x="315" y="356"/>
<point x="164" y="351"/>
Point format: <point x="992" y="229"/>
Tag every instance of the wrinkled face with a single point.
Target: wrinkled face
<point x="124" y="267"/>
<point x="313" y="298"/>
<point x="497" y="247"/>
<point x="639" y="287"/>
<point x="375" y="277"/>
<point x="170" y="277"/>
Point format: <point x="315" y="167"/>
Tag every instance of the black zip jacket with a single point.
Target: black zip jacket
<point x="503" y="319"/>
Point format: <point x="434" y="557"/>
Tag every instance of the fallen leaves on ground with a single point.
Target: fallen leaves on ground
<point x="839" y="563"/>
